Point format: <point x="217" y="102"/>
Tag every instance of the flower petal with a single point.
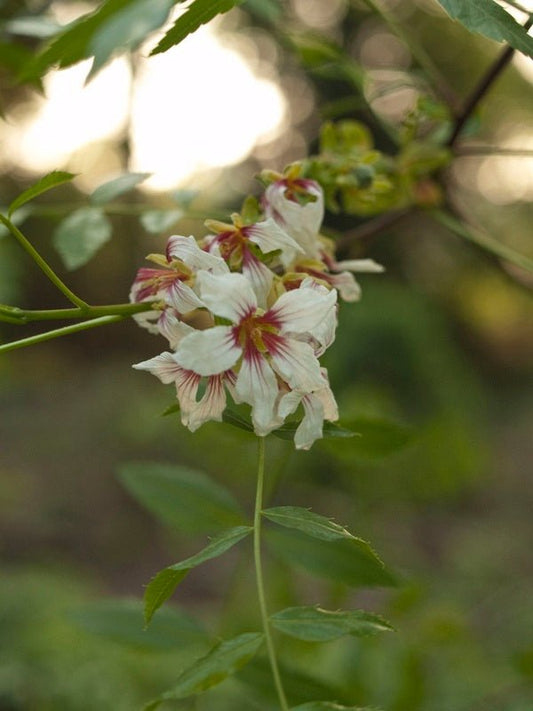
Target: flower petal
<point x="297" y="364"/>
<point x="228" y="295"/>
<point x="208" y="352"/>
<point x="210" y="407"/>
<point x="187" y="384"/>
<point x="188" y="250"/>
<point x="148" y="320"/>
<point x="305" y="310"/>
<point x="359" y="265"/>
<point x="172" y="328"/>
<point x="257" y="385"/>
<point x="181" y="297"/>
<point x="259" y="276"/>
<point x="163" y="366"/>
<point x="302" y="222"/>
<point x="345" y="283"/>
<point x="269" y="237"/>
<point x="318" y="406"/>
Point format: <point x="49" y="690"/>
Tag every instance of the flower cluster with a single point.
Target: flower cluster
<point x="249" y="310"/>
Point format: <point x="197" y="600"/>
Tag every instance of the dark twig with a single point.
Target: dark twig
<point x="482" y="88"/>
<point x="370" y="228"/>
<point x="477" y="151"/>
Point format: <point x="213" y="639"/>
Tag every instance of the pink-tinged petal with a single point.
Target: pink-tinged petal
<point x="187" y="384"/>
<point x="188" y="250"/>
<point x="269" y="237"/>
<point x="228" y="295"/>
<point x="296" y="363"/>
<point x="211" y="406"/>
<point x="209" y="352"/>
<point x="259" y="276"/>
<point x="305" y="310"/>
<point x="359" y="265"/>
<point x="181" y="297"/>
<point x="163" y="366"/>
<point x="146" y="284"/>
<point x="172" y="328"/>
<point x="345" y="283"/>
<point x="257" y="386"/>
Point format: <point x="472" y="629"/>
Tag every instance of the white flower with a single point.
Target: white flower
<point x="318" y="406"/>
<point x="260" y="346"/>
<point x="238" y="244"/>
<point x="297" y="205"/>
<point x="173" y="283"/>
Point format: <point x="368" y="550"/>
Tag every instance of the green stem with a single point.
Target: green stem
<point x="42" y="264"/>
<point x="58" y="332"/>
<point x="259" y="576"/>
<point x="21" y="316"/>
<point x="482" y="240"/>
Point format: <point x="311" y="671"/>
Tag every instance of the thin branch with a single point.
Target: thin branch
<point x="22" y="316"/>
<point x="482" y="88"/>
<point x="424" y="60"/>
<point x="482" y="240"/>
<point x="58" y="332"/>
<point x="473" y="151"/>
<point x="370" y="228"/>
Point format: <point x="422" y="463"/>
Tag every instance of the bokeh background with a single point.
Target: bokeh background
<point x="435" y="362"/>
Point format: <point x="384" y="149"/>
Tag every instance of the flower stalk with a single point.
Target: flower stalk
<point x="271" y="650"/>
<point x="58" y="332"/>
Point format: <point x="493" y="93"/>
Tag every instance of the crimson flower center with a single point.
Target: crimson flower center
<point x="257" y="332"/>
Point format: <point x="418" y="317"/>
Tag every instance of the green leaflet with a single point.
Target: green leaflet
<point x="115" y="24"/>
<point x="127" y="29"/>
<point x="113" y="188"/>
<point x="199" y="12"/>
<point x="120" y="620"/>
<point x="324" y="548"/>
<point x="377" y="438"/>
<point x="157" y="221"/>
<point x="180" y="497"/>
<point x="56" y="177"/>
<point x="488" y="18"/>
<point x="286" y="431"/>
<point x="80" y="235"/>
<point x="313" y="624"/>
<point x="350" y="561"/>
<point x="224" y="659"/>
<point x="161" y="587"/>
<point x="307" y="521"/>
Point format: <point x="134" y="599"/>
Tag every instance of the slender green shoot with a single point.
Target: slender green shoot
<point x="259" y="576"/>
